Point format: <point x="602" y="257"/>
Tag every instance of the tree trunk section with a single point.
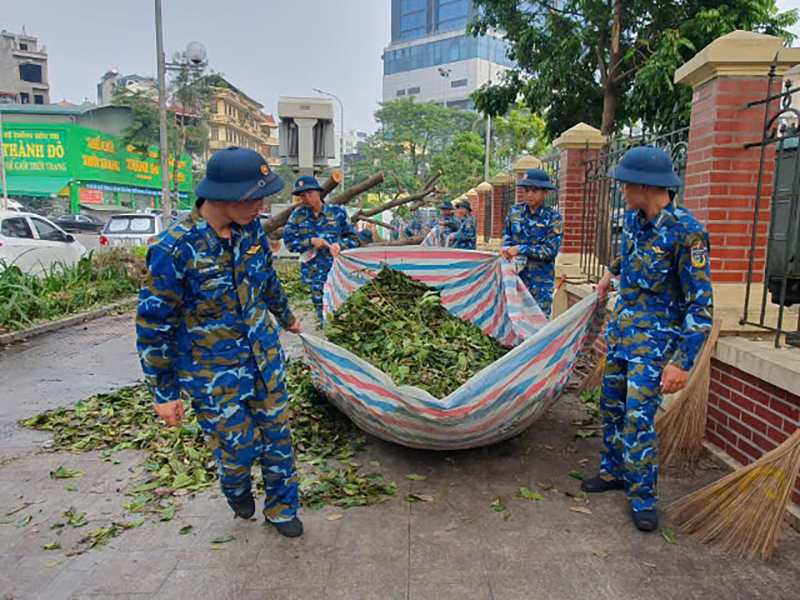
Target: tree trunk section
<point x="331" y="183"/>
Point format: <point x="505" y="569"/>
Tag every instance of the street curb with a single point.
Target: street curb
<point x="725" y="460"/>
<point x="89" y="315"/>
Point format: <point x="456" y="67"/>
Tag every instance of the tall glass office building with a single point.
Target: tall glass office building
<point x="431" y="56"/>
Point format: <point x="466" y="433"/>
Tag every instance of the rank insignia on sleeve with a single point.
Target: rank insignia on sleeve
<point x="253" y="250"/>
<point x="699" y="256"/>
<point x="558" y="227"/>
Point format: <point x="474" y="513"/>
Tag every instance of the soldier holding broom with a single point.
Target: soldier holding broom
<point x="660" y="322"/>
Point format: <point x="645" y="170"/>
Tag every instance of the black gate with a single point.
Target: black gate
<point x="603" y="204"/>
<point x="509" y="200"/>
<point x="552" y="164"/>
<point x="781" y="274"/>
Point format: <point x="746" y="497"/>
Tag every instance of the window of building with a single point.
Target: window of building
<point x="214" y="133"/>
<point x="401" y="93"/>
<point x="458" y="83"/>
<point x="24" y="98"/>
<point x="30" y="72"/>
<point x="445" y="51"/>
<point x="413" y="90"/>
<point x="38" y="99"/>
<point x="23" y="46"/>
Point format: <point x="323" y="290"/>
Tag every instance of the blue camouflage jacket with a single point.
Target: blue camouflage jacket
<point x="537" y="234"/>
<point x="332" y="225"/>
<point x="666" y="305"/>
<point x="415" y="227"/>
<point x="203" y="310"/>
<point x="466" y="237"/>
<point x="449" y="224"/>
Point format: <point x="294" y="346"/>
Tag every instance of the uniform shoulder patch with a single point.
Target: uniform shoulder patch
<point x="699" y="254"/>
<point x="558" y="227"/>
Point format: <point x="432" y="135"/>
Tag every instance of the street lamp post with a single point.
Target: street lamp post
<point x="445" y="73"/>
<point x="196" y="54"/>
<point x="4" y="200"/>
<point x="341" y="125"/>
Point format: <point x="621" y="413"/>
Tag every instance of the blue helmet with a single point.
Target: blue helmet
<point x="537" y="179"/>
<point x="646" y="165"/>
<point x="446" y="205"/>
<point x="465" y="204"/>
<point x="365" y="235"/>
<point x="238" y="174"/>
<point x="304" y="184"/>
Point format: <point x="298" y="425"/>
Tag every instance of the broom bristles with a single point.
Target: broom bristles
<point x="594" y="379"/>
<point x="681" y="429"/>
<point x="741" y="513"/>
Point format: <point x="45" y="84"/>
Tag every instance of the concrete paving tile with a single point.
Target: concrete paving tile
<point x="64" y="585"/>
<point x="208" y="503"/>
<point x="82" y="596"/>
<point x="27" y="576"/>
<point x="162" y="536"/>
<point x="381" y="568"/>
<point x="130" y="573"/>
<point x="288" y="572"/>
<point x="244" y="551"/>
<point x="191" y="584"/>
<point x="300" y="593"/>
<point x="450" y="591"/>
<point x="377" y="591"/>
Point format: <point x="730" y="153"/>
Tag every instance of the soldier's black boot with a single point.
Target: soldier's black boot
<point x="244" y="507"/>
<point x="599" y="484"/>
<point x="290" y="529"/>
<point x="645" y="520"/>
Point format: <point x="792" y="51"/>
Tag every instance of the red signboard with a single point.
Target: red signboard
<point x="88" y="196"/>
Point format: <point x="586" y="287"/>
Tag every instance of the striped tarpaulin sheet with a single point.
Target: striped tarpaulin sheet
<point x="477" y="286"/>
<point x="498" y="402"/>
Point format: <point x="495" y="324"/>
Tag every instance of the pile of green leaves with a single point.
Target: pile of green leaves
<point x="400" y="326"/>
<point x="291" y="282"/>
<point x="179" y="462"/>
<point x="94" y="281"/>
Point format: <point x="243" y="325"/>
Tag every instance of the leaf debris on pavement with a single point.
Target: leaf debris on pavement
<point x="529" y="495"/>
<point x="669" y="536"/>
<point x="63" y="473"/>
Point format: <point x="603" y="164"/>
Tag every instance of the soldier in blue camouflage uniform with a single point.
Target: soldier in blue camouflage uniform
<point x="414" y="227"/>
<point x="534" y="231"/>
<point x="466" y="237"/>
<point x="448" y="222"/>
<point x="320" y="231"/>
<point x="660" y="322"/>
<point x="204" y="333"/>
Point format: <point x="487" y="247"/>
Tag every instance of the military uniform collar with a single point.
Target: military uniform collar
<point x="538" y="212"/>
<point x="665" y="215"/>
<point x="208" y="233"/>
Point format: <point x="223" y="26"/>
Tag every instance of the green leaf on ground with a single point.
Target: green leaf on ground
<point x="70" y="488"/>
<point x="52" y="546"/>
<point x="600" y="553"/>
<point x="24" y="521"/>
<point x="186" y="529"/>
<point x="76" y="519"/>
<point x="167" y="514"/>
<point x="223" y="539"/>
<point x="63" y="473"/>
<point x="374" y="464"/>
<point x="585" y="434"/>
<point x="529" y="495"/>
<point x="577" y="475"/>
<point x="414" y="477"/>
<point x="22" y="506"/>
<point x="417" y="497"/>
<point x="669" y="536"/>
<point x="497" y="505"/>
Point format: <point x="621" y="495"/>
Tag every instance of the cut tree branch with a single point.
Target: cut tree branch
<point x="379" y="223"/>
<point x="331" y="183"/>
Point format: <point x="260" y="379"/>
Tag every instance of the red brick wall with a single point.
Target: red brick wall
<point x="722" y="176"/>
<point x="479" y="212"/>
<point x="748" y="417"/>
<point x="497" y="212"/>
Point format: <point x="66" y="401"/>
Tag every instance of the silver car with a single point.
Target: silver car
<point x="132" y="229"/>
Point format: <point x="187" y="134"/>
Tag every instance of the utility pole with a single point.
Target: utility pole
<point x="445" y="73"/>
<point x="4" y="201"/>
<point x="166" y="203"/>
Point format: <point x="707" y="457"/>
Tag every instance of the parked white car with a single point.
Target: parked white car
<point x="131" y="229"/>
<point x="35" y="244"/>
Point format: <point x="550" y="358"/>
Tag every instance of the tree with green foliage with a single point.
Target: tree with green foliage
<point x="461" y="164"/>
<point x="187" y="115"/>
<point x="518" y="132"/>
<point x="607" y="62"/>
<point x="411" y="134"/>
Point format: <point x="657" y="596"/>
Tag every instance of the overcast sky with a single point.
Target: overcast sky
<point x="267" y="48"/>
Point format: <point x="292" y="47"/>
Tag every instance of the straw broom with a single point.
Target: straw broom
<point x="594" y="379"/>
<point x="741" y="513"/>
<point x="681" y="428"/>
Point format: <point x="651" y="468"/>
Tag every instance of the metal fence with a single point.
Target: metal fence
<point x="781" y="274"/>
<point x="552" y="164"/>
<point x="603" y="204"/>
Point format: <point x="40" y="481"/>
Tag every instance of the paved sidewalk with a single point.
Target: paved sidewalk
<point x="453" y="547"/>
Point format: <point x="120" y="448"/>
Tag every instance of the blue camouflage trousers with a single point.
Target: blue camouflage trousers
<point x="314" y="273"/>
<point x="540" y="287"/>
<point x="631" y="396"/>
<point x="246" y="419"/>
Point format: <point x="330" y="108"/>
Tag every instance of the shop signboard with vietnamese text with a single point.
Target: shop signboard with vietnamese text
<point x="36" y="151"/>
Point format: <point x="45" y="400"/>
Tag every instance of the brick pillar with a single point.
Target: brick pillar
<point x="721" y="175"/>
<point x="499" y="183"/>
<point x="479" y="210"/>
<point x="576" y="145"/>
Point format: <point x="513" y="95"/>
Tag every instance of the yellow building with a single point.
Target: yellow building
<point x="238" y="120"/>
